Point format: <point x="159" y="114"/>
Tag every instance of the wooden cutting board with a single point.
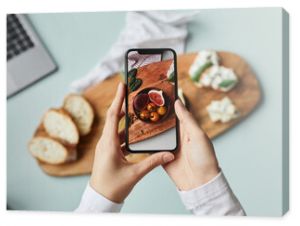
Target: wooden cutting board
<point x="140" y="130"/>
<point x="246" y="96"/>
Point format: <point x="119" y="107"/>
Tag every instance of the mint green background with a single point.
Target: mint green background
<point x="250" y="154"/>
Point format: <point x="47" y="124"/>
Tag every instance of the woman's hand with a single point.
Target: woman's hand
<point x="195" y="161"/>
<point x="112" y="176"/>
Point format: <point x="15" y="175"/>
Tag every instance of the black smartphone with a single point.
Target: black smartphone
<point x="151" y="90"/>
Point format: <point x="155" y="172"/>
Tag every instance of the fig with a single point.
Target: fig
<point x="156" y="96"/>
<point x="140" y="101"/>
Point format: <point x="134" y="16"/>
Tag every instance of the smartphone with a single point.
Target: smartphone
<point x="151" y="90"/>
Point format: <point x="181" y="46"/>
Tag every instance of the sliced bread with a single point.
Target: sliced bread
<point x="135" y="158"/>
<point x="59" y="124"/>
<point x="81" y="111"/>
<point x="49" y="150"/>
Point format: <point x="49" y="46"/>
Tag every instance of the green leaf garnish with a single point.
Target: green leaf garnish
<point x="132" y="72"/>
<point x="226" y="83"/>
<point x="199" y="72"/>
<point x="134" y="86"/>
<point x="172" y="77"/>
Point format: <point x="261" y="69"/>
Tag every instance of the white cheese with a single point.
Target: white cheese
<point x="223" y="110"/>
<point x="219" y="78"/>
<point x="171" y="70"/>
<point x="204" y="59"/>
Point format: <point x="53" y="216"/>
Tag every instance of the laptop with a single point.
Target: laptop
<point x="27" y="58"/>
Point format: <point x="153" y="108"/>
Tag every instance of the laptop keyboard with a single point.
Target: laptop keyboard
<point x="18" y="40"/>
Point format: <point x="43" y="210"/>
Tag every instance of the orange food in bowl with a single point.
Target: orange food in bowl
<point x="154" y="116"/>
<point x="162" y="110"/>
<point x="151" y="107"/>
<point x="145" y="115"/>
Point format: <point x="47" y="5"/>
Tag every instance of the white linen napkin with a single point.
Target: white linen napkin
<point x="154" y="29"/>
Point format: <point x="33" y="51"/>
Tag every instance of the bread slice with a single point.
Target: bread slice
<point x="51" y="151"/>
<point x="59" y="124"/>
<point x="135" y="158"/>
<point x="81" y="111"/>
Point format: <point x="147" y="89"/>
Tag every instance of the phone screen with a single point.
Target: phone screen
<point x="151" y="123"/>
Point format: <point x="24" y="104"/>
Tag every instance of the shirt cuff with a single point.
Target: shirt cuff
<point x="212" y="198"/>
<point x="93" y="202"/>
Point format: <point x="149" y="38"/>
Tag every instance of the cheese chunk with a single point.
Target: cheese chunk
<point x="203" y="60"/>
<point x="222" y="110"/>
<point x="219" y="78"/>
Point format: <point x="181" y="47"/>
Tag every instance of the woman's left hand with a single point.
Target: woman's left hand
<point x="112" y="175"/>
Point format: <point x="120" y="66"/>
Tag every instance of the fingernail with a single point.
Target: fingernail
<point x="168" y="158"/>
<point x="120" y="85"/>
<point x="178" y="107"/>
<point x="179" y="103"/>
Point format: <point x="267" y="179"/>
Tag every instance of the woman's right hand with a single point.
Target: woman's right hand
<point x="195" y="161"/>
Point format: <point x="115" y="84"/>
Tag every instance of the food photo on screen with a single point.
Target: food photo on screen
<point x="151" y="97"/>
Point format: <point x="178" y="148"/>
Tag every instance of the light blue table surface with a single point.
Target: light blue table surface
<point x="249" y="154"/>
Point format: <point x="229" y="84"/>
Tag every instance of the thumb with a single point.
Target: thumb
<point x="148" y="164"/>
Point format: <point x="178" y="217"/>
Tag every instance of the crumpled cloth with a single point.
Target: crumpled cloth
<point x="153" y="29"/>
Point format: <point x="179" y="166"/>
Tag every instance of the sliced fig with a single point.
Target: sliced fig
<point x="156" y="97"/>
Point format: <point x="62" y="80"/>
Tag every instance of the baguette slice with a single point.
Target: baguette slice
<point x="135" y="158"/>
<point x="51" y="151"/>
<point x="59" y="124"/>
<point x="81" y="111"/>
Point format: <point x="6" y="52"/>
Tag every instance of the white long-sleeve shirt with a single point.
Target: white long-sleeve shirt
<point x="212" y="198"/>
